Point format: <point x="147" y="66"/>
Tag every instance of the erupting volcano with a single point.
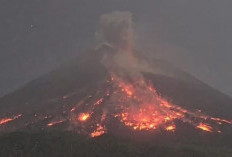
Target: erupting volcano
<point x="115" y="85"/>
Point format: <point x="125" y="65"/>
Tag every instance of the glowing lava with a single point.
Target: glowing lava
<point x="6" y="120"/>
<point x="54" y="123"/>
<point x="170" y="128"/>
<point x="83" y="117"/>
<point x="98" y="132"/>
<point x="138" y="106"/>
<point x="205" y="127"/>
<point x="221" y="120"/>
<point x="99" y="101"/>
<point x="144" y="118"/>
<point x="142" y="108"/>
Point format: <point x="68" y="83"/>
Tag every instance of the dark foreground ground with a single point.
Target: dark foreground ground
<point x="69" y="144"/>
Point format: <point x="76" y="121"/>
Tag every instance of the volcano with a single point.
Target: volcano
<point x="119" y="91"/>
<point x="88" y="96"/>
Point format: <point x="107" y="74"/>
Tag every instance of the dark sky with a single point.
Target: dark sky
<point x="38" y="35"/>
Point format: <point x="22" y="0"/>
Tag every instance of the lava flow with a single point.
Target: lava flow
<point x="171" y="128"/>
<point x="54" y="123"/>
<point x="98" y="132"/>
<point x="137" y="105"/>
<point x="7" y="120"/>
<point x="83" y="117"/>
<point x="142" y="108"/>
<point x="205" y="127"/>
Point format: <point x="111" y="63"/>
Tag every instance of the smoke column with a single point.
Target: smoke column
<point x="116" y="29"/>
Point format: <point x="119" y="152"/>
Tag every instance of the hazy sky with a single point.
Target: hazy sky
<point x="38" y="35"/>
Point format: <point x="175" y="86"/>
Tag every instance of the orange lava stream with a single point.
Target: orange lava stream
<point x="137" y="105"/>
<point x="98" y="132"/>
<point x="170" y="128"/>
<point x="83" y="117"/>
<point x="145" y="118"/>
<point x="6" y="120"/>
<point x="205" y="127"/>
<point x="221" y="120"/>
<point x="143" y="109"/>
<point x="54" y="123"/>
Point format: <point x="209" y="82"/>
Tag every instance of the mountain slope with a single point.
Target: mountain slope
<point x="50" y="99"/>
<point x="86" y="71"/>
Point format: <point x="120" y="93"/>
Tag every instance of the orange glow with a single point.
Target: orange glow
<point x="99" y="101"/>
<point x="205" y="127"/>
<point x="146" y="118"/>
<point x="6" y="120"/>
<point x="171" y="128"/>
<point x="138" y="105"/>
<point x="98" y="132"/>
<point x="83" y="117"/>
<point x="147" y="111"/>
<point x="128" y="92"/>
<point x="128" y="89"/>
<point x="54" y="123"/>
<point x="221" y="120"/>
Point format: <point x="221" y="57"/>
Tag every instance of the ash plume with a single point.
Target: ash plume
<point x="116" y="29"/>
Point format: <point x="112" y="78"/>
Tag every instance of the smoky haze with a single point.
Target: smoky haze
<point x="37" y="36"/>
<point x="116" y="29"/>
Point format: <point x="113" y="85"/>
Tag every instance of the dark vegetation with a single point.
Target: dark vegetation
<point x="69" y="144"/>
